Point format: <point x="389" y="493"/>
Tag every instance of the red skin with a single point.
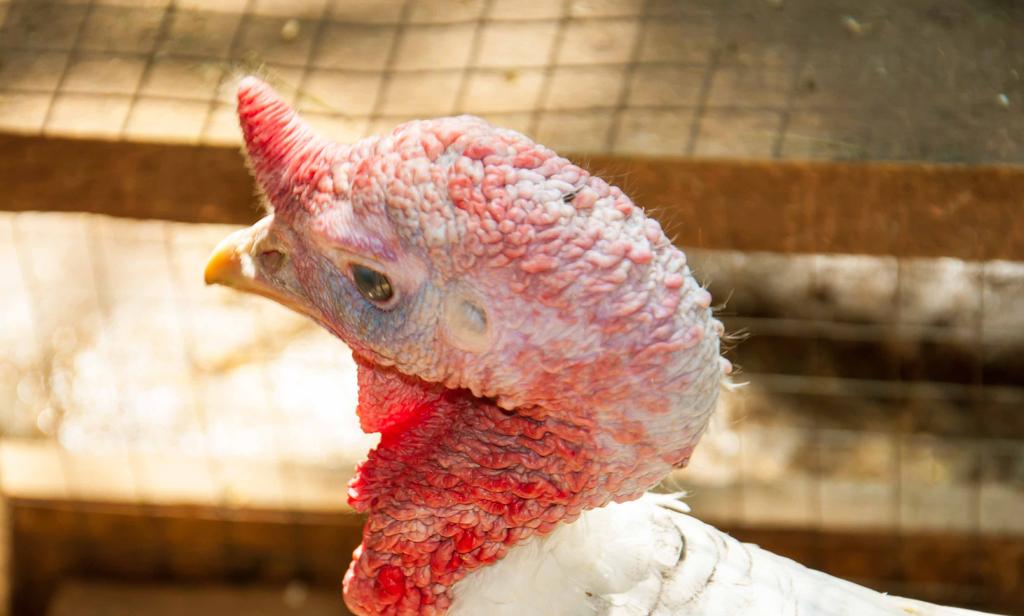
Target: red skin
<point x="604" y="346"/>
<point x="454" y="483"/>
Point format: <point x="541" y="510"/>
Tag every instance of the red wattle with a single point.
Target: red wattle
<point x="455" y="483"/>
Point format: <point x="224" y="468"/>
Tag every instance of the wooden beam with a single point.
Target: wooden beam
<point x="134" y="180"/>
<point x="58" y="540"/>
<point x="908" y="210"/>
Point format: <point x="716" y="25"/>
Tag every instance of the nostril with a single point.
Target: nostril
<point x="271" y="260"/>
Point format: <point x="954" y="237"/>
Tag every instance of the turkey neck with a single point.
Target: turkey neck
<point x="454" y="483"/>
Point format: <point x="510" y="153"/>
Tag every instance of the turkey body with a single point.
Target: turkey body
<point x="649" y="557"/>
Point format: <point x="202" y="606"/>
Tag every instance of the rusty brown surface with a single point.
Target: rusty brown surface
<point x="58" y="540"/>
<point x="925" y="210"/>
<point x="909" y="210"/>
<point x="135" y="180"/>
<point x="55" y="541"/>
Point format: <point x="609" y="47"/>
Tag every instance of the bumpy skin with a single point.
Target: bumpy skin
<point x="547" y="351"/>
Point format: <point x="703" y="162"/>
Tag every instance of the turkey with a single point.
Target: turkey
<point x="535" y="355"/>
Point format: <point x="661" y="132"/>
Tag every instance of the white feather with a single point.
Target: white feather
<point x="648" y="557"/>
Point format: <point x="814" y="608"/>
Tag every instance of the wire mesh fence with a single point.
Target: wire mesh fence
<point x="793" y="79"/>
<point x="885" y="395"/>
<point x="883" y="392"/>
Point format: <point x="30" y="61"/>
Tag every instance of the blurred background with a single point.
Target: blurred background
<point x="845" y="175"/>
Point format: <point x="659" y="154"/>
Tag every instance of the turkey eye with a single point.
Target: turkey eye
<point x="372" y="284"/>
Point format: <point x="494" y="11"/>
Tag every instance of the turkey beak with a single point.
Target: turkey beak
<point x="231" y="263"/>
<point x="234" y="264"/>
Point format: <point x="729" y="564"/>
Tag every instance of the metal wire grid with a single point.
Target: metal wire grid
<point x="631" y="76"/>
<point x="882" y="438"/>
<point x="911" y="477"/>
<point x="293" y="69"/>
<point x="75" y="276"/>
<point x="178" y="450"/>
<point x="874" y="446"/>
<point x="804" y="446"/>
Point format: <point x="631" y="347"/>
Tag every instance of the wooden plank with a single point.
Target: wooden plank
<point x="909" y="210"/>
<point x="924" y="210"/>
<point x="59" y="540"/>
<point x="56" y="540"/>
<point x="6" y="568"/>
<point x="106" y="599"/>
<point x="38" y="469"/>
<point x="135" y="180"/>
